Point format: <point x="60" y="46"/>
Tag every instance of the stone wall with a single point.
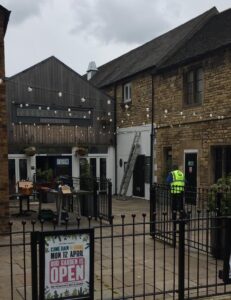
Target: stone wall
<point x="199" y="127"/>
<point x="136" y="114"/>
<point x="4" y="197"/>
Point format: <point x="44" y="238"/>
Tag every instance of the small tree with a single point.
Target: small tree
<point x="221" y="190"/>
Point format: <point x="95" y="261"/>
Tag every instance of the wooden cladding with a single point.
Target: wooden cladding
<point x="59" y="135"/>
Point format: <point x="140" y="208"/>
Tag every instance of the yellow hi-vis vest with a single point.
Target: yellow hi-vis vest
<point x="178" y="183"/>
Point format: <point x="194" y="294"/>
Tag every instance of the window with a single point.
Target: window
<point x="194" y="87"/>
<point x="127" y="92"/>
<point x="222" y="161"/>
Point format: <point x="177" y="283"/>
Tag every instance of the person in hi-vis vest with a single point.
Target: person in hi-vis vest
<point x="176" y="179"/>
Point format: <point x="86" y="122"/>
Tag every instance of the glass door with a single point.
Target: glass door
<point x="17" y="171"/>
<point x="12" y="176"/>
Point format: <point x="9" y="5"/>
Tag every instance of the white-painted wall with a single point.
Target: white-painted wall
<point x="125" y="138"/>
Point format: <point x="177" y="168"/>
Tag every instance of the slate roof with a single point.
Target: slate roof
<point x="150" y="54"/>
<point x="216" y="33"/>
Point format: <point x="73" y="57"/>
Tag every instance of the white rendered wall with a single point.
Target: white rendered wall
<point x="125" y="138"/>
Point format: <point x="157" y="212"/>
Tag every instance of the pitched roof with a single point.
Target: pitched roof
<point x="6" y="14"/>
<point x="215" y="34"/>
<point x="53" y="72"/>
<point x="150" y="54"/>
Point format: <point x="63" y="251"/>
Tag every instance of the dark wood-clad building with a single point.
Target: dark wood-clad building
<point x="4" y="199"/>
<point x="57" y="119"/>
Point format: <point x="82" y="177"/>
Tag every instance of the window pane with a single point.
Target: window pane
<point x="194" y="86"/>
<point x="93" y="167"/>
<point x="127" y="92"/>
<point x="22" y="169"/>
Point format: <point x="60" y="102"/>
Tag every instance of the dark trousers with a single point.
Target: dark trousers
<point x="177" y="201"/>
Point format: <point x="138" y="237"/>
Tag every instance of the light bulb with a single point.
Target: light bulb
<point x="83" y="99"/>
<point x="126" y="106"/>
<point x="29" y="89"/>
<point x="108" y="101"/>
<point x="60" y="94"/>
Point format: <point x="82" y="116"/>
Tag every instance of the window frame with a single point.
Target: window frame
<point x="129" y="98"/>
<point x="194" y="95"/>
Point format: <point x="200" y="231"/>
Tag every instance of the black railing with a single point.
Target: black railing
<point x="202" y="207"/>
<point x="95" y="194"/>
<point x="128" y="262"/>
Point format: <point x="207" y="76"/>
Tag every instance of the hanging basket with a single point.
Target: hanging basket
<point x="81" y="151"/>
<point x="30" y="151"/>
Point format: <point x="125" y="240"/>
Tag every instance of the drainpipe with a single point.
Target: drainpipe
<point x="152" y="136"/>
<point x="115" y="139"/>
<point x="151" y="191"/>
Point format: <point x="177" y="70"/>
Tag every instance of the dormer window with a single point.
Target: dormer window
<point x="127" y="92"/>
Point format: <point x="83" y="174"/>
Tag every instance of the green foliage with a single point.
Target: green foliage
<point x="222" y="189"/>
<point x="46" y="175"/>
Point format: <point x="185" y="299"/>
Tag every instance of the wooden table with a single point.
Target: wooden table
<point x="65" y="202"/>
<point x="68" y="200"/>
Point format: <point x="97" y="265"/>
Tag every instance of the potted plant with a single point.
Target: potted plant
<point x="219" y="201"/>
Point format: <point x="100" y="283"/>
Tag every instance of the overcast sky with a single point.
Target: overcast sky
<point x="79" y="31"/>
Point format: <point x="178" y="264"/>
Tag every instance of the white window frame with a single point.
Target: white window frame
<point x="128" y="86"/>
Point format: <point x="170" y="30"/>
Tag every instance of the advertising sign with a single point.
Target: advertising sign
<point x="67" y="259"/>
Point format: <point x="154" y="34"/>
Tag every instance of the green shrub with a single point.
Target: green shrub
<point x="222" y="187"/>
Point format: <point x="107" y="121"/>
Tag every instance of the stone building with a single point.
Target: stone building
<point x="183" y="77"/>
<point x="4" y="199"/>
<point x="193" y="105"/>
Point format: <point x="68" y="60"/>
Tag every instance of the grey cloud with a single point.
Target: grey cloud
<point x="127" y="21"/>
<point x="23" y="9"/>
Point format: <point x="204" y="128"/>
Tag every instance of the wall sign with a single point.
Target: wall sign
<point x="66" y="260"/>
<point x="63" y="161"/>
